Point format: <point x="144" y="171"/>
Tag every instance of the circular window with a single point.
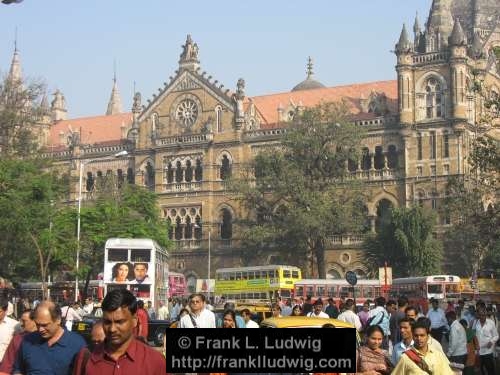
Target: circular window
<point x="345" y="258"/>
<point x="187" y="112"/>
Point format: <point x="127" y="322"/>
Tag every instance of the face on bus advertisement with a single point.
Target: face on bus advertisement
<point x="119" y="272"/>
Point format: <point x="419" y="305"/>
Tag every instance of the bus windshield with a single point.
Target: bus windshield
<point x="434" y="289"/>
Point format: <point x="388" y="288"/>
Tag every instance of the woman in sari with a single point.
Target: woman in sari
<point x="371" y="358"/>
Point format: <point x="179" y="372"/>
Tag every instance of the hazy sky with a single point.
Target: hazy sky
<point x="71" y="44"/>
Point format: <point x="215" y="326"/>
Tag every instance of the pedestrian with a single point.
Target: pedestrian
<point x="163" y="311"/>
<point x="219" y="319"/>
<point x="396" y="316"/>
<point x="51" y="349"/>
<point x="151" y="311"/>
<point x="27" y="325"/>
<point x="457" y="345"/>
<point x="372" y="359"/>
<point x="307" y="306"/>
<point x="422" y="359"/>
<point x="349" y="316"/>
<point x="364" y="313"/>
<point x="7" y="327"/>
<point x="487" y="336"/>
<point x="318" y="310"/>
<point x="379" y="316"/>
<point x="142" y="327"/>
<point x="69" y="315"/>
<point x="296" y="311"/>
<point x="438" y="320"/>
<point x="97" y="335"/>
<point x="121" y="352"/>
<point x="247" y="317"/>
<point x="199" y="317"/>
<point x="229" y="319"/>
<point x="406" y="340"/>
<point x="331" y="309"/>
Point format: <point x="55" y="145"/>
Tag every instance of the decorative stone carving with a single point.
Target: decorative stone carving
<point x="136" y="106"/>
<point x="187" y="83"/>
<point x="238" y="97"/>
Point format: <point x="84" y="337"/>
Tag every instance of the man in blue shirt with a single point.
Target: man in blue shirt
<point x="51" y="349"/>
<point x="406" y="340"/>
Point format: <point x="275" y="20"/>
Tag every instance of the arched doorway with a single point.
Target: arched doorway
<point x="384" y="207"/>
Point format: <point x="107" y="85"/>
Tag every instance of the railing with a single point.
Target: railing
<point x="265" y="133"/>
<point x="187" y="244"/>
<point x="343" y="240"/>
<point x="430" y="57"/>
<point x="182" y="186"/>
<point x="372" y="174"/>
<point x="104" y="149"/>
<point x="184" y="139"/>
<point x="56" y="154"/>
<point x="197" y="244"/>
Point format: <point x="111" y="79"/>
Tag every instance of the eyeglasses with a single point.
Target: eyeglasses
<point x="195" y="301"/>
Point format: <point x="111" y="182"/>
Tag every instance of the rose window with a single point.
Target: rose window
<point x="187" y="112"/>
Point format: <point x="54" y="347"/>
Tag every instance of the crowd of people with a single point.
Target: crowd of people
<point x="397" y="337"/>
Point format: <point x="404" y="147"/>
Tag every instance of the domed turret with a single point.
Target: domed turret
<point x="309" y="83"/>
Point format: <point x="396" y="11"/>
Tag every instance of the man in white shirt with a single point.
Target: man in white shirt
<point x="69" y="315"/>
<point x="200" y="317"/>
<point x="438" y="320"/>
<point x="247" y="317"/>
<point x="7" y="327"/>
<point x="349" y="316"/>
<point x="318" y="310"/>
<point x="163" y="311"/>
<point x="89" y="306"/>
<point x="487" y="336"/>
<point x="457" y="347"/>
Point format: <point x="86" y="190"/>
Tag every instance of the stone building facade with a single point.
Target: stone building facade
<point x="186" y="140"/>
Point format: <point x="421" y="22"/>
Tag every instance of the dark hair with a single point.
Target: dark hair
<point x="202" y="296"/>
<point x="30" y="312"/>
<point x="181" y="311"/>
<point x="4" y="303"/>
<point x="371" y="329"/>
<point x="451" y="315"/>
<point x="411" y="308"/>
<point x="424" y="321"/>
<point x="464" y="323"/>
<point x="229" y="306"/>
<point x="233" y="316"/>
<point x="406" y="320"/>
<point x="380" y="301"/>
<point x="245" y="312"/>
<point x="140" y="304"/>
<point x="328" y="325"/>
<point x="119" y="298"/>
<point x="114" y="270"/>
<point x="297" y="307"/>
<point x="143" y="264"/>
<point x="318" y="302"/>
<point x="402" y="301"/>
<point x="421" y="323"/>
<point x="276" y="306"/>
<point x="349" y="303"/>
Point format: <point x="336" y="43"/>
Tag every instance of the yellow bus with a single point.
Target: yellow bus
<point x="256" y="283"/>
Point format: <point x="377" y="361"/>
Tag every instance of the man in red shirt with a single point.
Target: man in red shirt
<point x="142" y="328"/>
<point x="121" y="352"/>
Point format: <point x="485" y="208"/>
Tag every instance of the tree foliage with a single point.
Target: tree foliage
<point x="298" y="194"/>
<point x="405" y="241"/>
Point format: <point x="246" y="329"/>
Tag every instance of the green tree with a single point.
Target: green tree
<point x="298" y="194"/>
<point x="405" y="241"/>
<point x="128" y="212"/>
<point x="29" y="193"/>
<point x="20" y="116"/>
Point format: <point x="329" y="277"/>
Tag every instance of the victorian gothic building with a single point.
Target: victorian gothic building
<point x="186" y="140"/>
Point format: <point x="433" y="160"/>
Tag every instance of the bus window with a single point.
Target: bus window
<point x="140" y="255"/>
<point x="295" y="274"/>
<point x="232" y="276"/>
<point x="452" y="290"/>
<point x="117" y="255"/>
<point x="434" y="289"/>
<point x="251" y="275"/>
<point x="320" y="290"/>
<point x="332" y="291"/>
<point x="299" y="291"/>
<point x="287" y="274"/>
<point x="244" y="276"/>
<point x="309" y="290"/>
<point x="368" y="292"/>
<point x="345" y="292"/>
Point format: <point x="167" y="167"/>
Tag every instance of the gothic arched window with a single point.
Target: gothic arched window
<point x="197" y="228"/>
<point x="433" y="99"/>
<point x="379" y="158"/>
<point x="198" y="171"/>
<point x="225" y="169"/>
<point x="178" y="228"/>
<point x="188" y="231"/>
<point x="218" y="119"/>
<point x="392" y="157"/>
<point x="170" y="229"/>
<point x="226" y="226"/>
<point x="130" y="176"/>
<point x="90" y="182"/>
<point x="384" y="208"/>
<point x="149" y="175"/>
<point x="178" y="172"/>
<point x="188" y="174"/>
<point x="120" y="178"/>
<point x="170" y="173"/>
<point x="366" y="161"/>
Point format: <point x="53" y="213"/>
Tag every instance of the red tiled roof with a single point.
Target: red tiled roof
<point x="267" y="105"/>
<point x="97" y="129"/>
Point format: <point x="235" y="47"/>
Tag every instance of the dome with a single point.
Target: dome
<point x="308" y="84"/>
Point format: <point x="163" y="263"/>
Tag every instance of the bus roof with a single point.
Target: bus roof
<point x="426" y="279"/>
<point x="341" y="282"/>
<point x="257" y="268"/>
<point x="131" y="243"/>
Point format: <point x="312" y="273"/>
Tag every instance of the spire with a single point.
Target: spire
<point x="115" y="102"/>
<point x="44" y="105"/>
<point x="403" y="44"/>
<point x="309" y="72"/>
<point x="15" y="74"/>
<point x="440" y="19"/>
<point x="58" y="106"/>
<point x="477" y="46"/>
<point x="416" y="26"/>
<point x="457" y="37"/>
<point x="189" y="56"/>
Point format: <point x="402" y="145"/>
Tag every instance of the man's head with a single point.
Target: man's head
<point x="4" y="306"/>
<point x="140" y="271"/>
<point x="405" y="329"/>
<point x="119" y="308"/>
<point x="196" y="302"/>
<point x="434" y="303"/>
<point x="48" y="319"/>
<point x="411" y="312"/>
<point x="380" y="301"/>
<point x="331" y="302"/>
<point x="481" y="314"/>
<point x="246" y="315"/>
<point x="318" y="306"/>
<point x="451" y="316"/>
<point x="140" y="304"/>
<point x="349" y="304"/>
<point x="97" y="334"/>
<point x="390" y="306"/>
<point x="366" y="306"/>
<point x="28" y="321"/>
<point x="402" y="302"/>
<point x="420" y="333"/>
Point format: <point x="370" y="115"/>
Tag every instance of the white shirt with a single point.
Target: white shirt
<point x="437" y="318"/>
<point x="322" y="314"/>
<point x="485" y="334"/>
<point x="88" y="308"/>
<point x="458" y="340"/>
<point x="350" y="317"/>
<point x="163" y="313"/>
<point x="7" y="328"/>
<point x="205" y="319"/>
<point x="70" y="314"/>
<point x="251" y="324"/>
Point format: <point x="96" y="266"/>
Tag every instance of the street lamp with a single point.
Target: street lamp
<point x="209" y="257"/>
<point x="82" y="164"/>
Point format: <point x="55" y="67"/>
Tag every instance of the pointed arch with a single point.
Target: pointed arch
<point x="225" y="162"/>
<point x="432" y="90"/>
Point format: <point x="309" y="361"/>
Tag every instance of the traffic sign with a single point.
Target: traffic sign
<point x="351" y="278"/>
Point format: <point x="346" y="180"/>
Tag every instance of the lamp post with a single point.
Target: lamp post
<point x="78" y="221"/>
<point x="209" y="261"/>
